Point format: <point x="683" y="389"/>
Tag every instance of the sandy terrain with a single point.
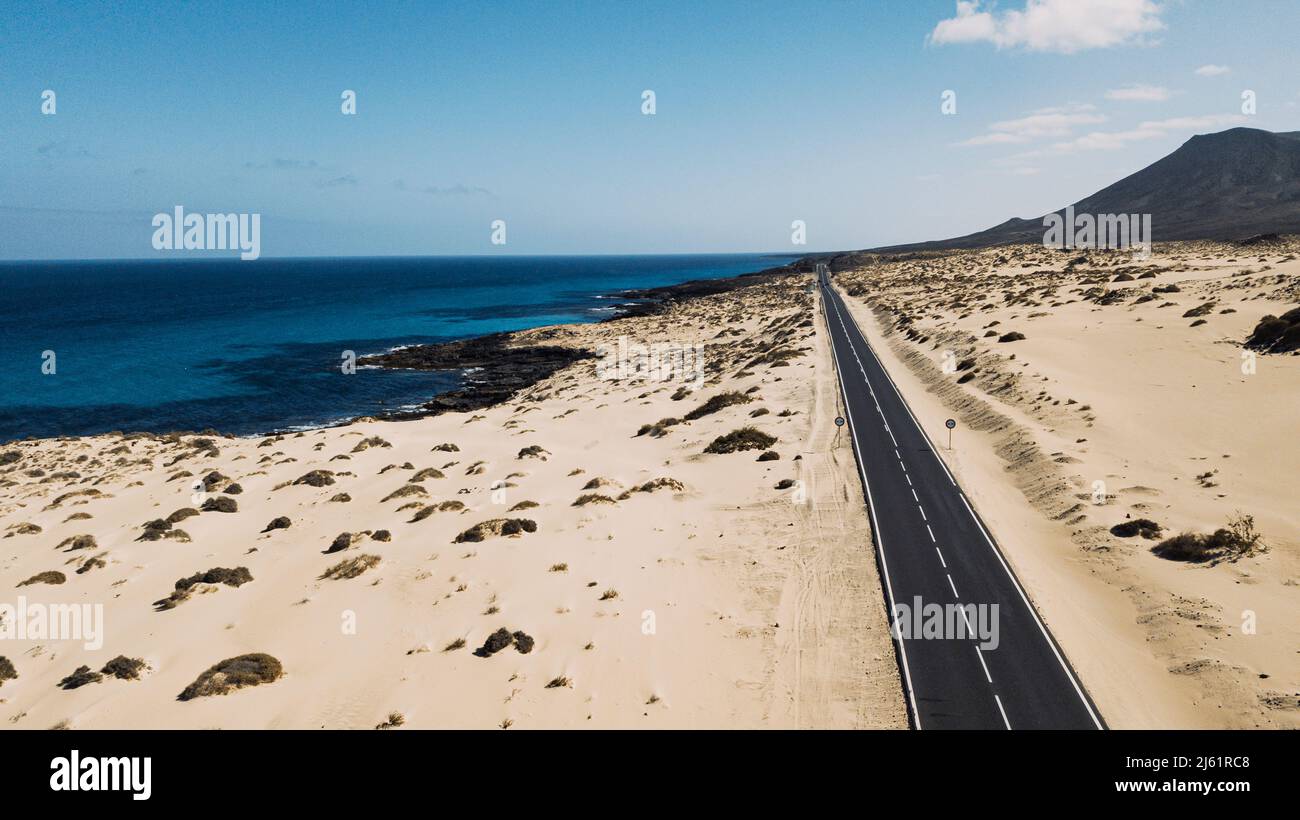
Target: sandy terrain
<point x="690" y="592"/>
<point x="1125" y="400"/>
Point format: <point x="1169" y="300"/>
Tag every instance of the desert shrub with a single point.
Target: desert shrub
<point x="523" y="505"/>
<point x="367" y="443"/>
<point x="124" y="668"/>
<point x="745" y="438"/>
<point x="221" y="504"/>
<point x="350" y="568"/>
<point x="785" y="484"/>
<point x="341" y="498"/>
<point x="659" y="484"/>
<point x="445" y="447"/>
<point x="1277" y="334"/>
<point x="405" y="491"/>
<point x="212" y="480"/>
<point x="496" y="526"/>
<point x="383" y="536"/>
<point x="80" y="678"/>
<point x="316" y="478"/>
<point x="77" y="542"/>
<point x="1137" y="526"/>
<point x="50" y="577"/>
<point x="659" y="429"/>
<point x="7" y="671"/>
<point x="394" y="720"/>
<point x="718" y="402"/>
<point x="592" y="498"/>
<point x="1237" y="540"/>
<point x="234" y="673"/>
<point x="769" y="455"/>
<point x="428" y="472"/>
<point x="217" y="575"/>
<point x="1013" y="336"/>
<point x="533" y="451"/>
<point x="523" y="642"/>
<point x="279" y="523"/>
<point x="341" y="542"/>
<point x="182" y="514"/>
<point x="495" y="643"/>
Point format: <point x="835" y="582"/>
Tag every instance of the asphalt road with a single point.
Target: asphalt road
<point x="931" y="545"/>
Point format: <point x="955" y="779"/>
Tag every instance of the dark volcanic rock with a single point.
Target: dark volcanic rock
<point x="502" y="370"/>
<point x="650" y="301"/>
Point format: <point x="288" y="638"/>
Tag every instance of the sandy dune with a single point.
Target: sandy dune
<point x="1129" y="397"/>
<point x="685" y="591"/>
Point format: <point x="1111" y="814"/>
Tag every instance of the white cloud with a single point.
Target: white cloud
<point x="1045" y="122"/>
<point x="1139" y="93"/>
<point x="1212" y="70"/>
<point x="1064" y="26"/>
<point x="1152" y="129"/>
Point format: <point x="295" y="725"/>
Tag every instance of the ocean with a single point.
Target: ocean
<point x="250" y="347"/>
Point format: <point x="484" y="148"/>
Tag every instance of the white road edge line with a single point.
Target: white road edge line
<point x="1042" y="628"/>
<point x="875" y="526"/>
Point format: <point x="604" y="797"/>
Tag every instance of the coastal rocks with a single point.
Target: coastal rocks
<point x="500" y="370"/>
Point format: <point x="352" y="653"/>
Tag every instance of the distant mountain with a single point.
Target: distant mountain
<point x="1230" y="185"/>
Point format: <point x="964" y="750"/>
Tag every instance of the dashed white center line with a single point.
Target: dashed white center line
<point x="952" y="585"/>
<point x="979" y="654"/>
<point x="914" y="495"/>
<point x="922" y="509"/>
<point x="941" y="561"/>
<point x="932" y="538"/>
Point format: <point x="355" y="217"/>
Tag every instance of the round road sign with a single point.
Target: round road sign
<point x="839" y="421"/>
<point x="950" y="424"/>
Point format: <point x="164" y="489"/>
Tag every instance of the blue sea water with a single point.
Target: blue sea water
<point x="249" y="347"/>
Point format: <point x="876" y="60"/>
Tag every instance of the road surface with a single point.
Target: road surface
<point x="931" y="545"/>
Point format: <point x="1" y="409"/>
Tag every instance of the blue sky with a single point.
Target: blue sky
<point x="766" y="112"/>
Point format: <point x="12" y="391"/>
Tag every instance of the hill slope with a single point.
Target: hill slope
<point x="1228" y="185"/>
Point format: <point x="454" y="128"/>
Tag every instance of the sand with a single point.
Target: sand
<point x="707" y="599"/>
<point x="1112" y="384"/>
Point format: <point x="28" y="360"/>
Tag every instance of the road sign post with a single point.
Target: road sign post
<point x="950" y="423"/>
